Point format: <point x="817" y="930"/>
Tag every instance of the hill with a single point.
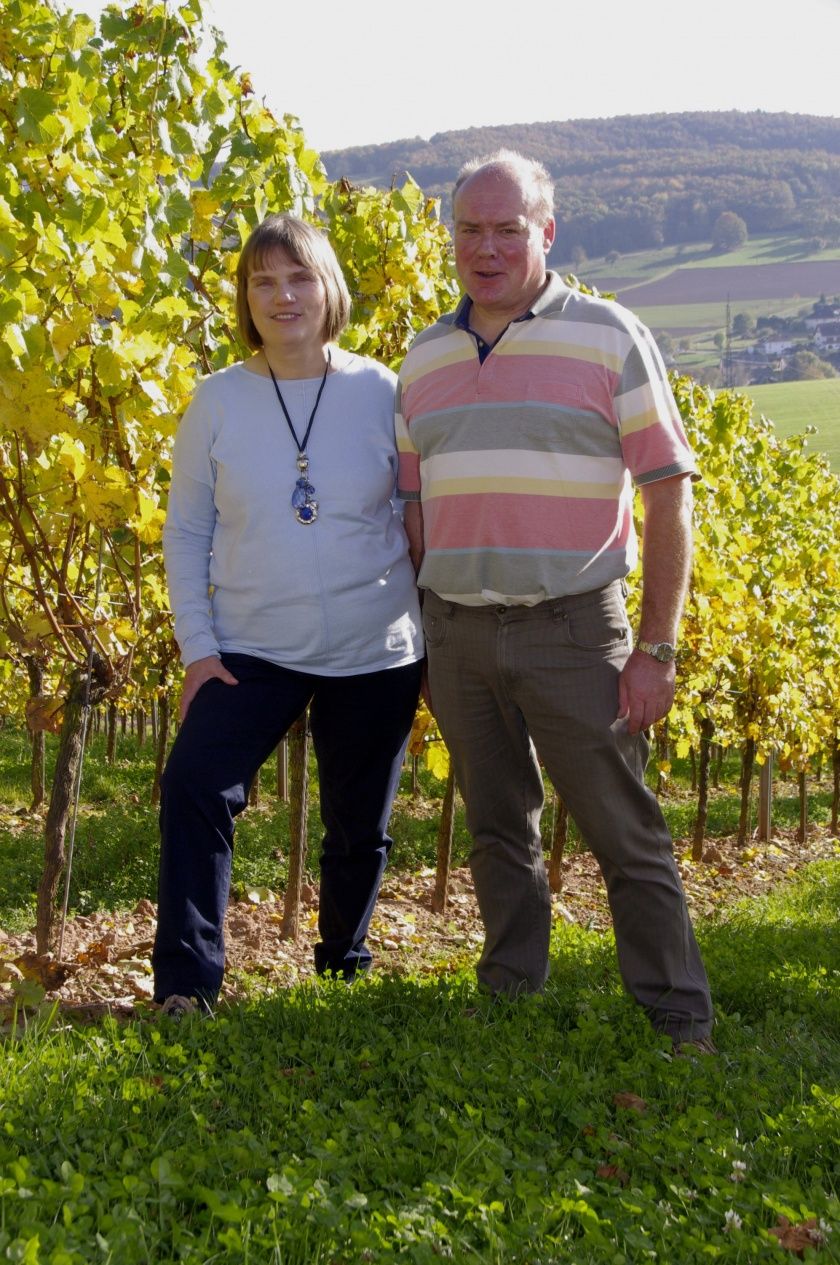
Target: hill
<point x="643" y="181"/>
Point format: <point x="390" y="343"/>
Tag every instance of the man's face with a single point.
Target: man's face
<point x="499" y="252"/>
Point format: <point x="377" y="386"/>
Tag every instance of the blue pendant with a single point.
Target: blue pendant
<point x="303" y="501"/>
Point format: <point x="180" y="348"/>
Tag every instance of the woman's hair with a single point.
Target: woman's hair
<point x="308" y="247"/>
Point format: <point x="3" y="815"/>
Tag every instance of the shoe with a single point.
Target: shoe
<point x="694" y="1045"/>
<point x="177" y="1007"/>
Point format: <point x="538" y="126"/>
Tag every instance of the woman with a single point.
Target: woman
<point x="290" y="580"/>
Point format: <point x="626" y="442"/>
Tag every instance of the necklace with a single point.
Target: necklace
<point x="303" y="497"/>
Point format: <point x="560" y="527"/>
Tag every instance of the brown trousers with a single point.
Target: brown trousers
<point x="509" y="683"/>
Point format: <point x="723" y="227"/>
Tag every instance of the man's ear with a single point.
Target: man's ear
<point x="548" y="235"/>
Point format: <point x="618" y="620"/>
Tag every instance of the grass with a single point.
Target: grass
<point x="795" y="405"/>
<point x="408" y="1120"/>
<point x="411" y="1119"/>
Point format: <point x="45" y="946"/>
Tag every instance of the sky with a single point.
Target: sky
<point x="368" y="71"/>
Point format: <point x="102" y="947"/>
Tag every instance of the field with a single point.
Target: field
<point x="410" y="1118"/>
<point x="743" y="283"/>
<point x="646" y="265"/>
<point x="683" y="292"/>
<point x="794" y="405"/>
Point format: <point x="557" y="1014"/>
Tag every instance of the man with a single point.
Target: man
<point x="522" y="419"/>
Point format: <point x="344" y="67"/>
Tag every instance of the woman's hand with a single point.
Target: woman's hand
<point x="196" y="674"/>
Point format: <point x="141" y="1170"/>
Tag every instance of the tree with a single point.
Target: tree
<point x="578" y="256"/>
<point x="728" y="232"/>
<point x="743" y="325"/>
<point x="806" y="365"/>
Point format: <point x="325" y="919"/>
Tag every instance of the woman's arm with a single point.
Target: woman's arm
<point x="188" y="534"/>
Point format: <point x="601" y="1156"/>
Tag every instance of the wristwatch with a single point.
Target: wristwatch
<point x="661" y="650"/>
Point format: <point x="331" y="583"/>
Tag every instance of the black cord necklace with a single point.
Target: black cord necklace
<point x="303" y="497"/>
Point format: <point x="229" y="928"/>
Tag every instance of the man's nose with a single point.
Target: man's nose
<point x="487" y="243"/>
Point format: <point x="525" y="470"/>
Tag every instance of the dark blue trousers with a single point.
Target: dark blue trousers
<point x="360" y="726"/>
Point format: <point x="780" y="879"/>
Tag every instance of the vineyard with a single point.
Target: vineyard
<point x="324" y="1124"/>
<point x="132" y="176"/>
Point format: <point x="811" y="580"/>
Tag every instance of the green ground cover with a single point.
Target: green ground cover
<point x="414" y="1120"/>
<point x="794" y="405"/>
<point x="410" y="1119"/>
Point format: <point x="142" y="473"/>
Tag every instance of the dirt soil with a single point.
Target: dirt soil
<point x="105" y="964"/>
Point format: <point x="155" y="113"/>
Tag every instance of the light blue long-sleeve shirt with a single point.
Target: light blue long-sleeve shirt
<point x="336" y="597"/>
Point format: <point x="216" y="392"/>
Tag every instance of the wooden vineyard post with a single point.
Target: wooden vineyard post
<point x="298" y="738"/>
<point x="446" y="829"/>
<point x="82" y="694"/>
<point x="747" y="764"/>
<point x="765" y="799"/>
<point x="802" y="832"/>
<point x="111" y="741"/>
<point x="835" y="798"/>
<point x="559" y="838"/>
<point x="707" y="729"/>
<point x="283" y="770"/>
<point x="38" y="777"/>
<point x="160" y="748"/>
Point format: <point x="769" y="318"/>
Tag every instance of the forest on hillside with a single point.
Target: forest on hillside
<point x="642" y="181"/>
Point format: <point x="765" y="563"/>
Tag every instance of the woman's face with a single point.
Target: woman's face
<point x="288" y="303"/>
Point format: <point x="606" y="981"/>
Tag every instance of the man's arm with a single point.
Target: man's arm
<point x="413" y="520"/>
<point x="646" y="687"/>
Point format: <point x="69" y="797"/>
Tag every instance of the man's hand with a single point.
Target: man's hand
<point x="645" y="690"/>
<point x="425" y="691"/>
<point x="196" y="674"/>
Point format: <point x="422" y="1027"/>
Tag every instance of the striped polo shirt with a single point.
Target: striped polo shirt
<point x="525" y="463"/>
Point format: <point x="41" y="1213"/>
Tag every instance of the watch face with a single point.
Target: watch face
<point x="661" y="650"/>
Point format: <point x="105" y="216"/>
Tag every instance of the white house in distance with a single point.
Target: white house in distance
<point x="827" y="336"/>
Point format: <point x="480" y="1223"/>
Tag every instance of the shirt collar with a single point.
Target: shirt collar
<point x="550" y="293"/>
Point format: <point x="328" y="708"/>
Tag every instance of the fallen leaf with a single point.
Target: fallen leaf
<point x="630" y="1102"/>
<point x="797" y="1237"/>
<point x="44" y="968"/>
<point x="611" y="1172"/>
<point x="259" y="895"/>
<point x="98" y="951"/>
<point x="140" y="949"/>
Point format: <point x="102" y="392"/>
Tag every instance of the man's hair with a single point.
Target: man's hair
<point x="533" y="176"/>
<point x="308" y="247"/>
